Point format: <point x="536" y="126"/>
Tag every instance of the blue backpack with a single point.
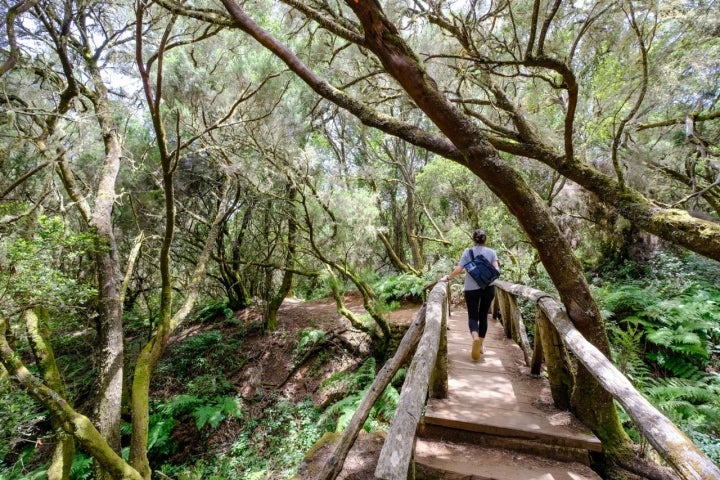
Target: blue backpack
<point x="481" y="270"/>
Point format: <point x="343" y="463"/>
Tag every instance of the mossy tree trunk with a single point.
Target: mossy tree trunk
<point x="36" y="321"/>
<point x="276" y="299"/>
<point x="230" y="269"/>
<point x="98" y="216"/>
<point x="152" y="352"/>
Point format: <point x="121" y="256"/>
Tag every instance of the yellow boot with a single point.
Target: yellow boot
<point x="477" y="348"/>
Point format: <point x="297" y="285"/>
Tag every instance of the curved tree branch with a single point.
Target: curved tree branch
<point x="675" y="225"/>
<point x="12" y="14"/>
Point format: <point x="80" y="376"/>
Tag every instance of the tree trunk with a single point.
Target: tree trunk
<point x="36" y="321"/>
<point x="111" y="325"/>
<point x="110" y="332"/>
<point x="271" y="322"/>
<point x="411" y="227"/>
<point x="238" y="295"/>
<point x="481" y="158"/>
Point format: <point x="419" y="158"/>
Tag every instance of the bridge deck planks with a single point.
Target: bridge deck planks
<point x="496" y="395"/>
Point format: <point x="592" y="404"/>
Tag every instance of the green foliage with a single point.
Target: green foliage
<point x="205" y="411"/>
<point x="159" y="431"/>
<point x="664" y="327"/>
<point x="338" y="415"/>
<point x="201" y="360"/>
<point x="687" y="398"/>
<point x="400" y="287"/>
<point x="214" y="310"/>
<point x="209" y="385"/>
<point x="20" y="472"/>
<point x="693" y="405"/>
<point x="214" y="413"/>
<point x="269" y="445"/>
<point x="19" y="415"/>
<point x="20" y="418"/>
<point x="616" y="299"/>
<point x="680" y="328"/>
<point x="308" y="338"/>
<point x="626" y="346"/>
<point x="82" y="467"/>
<point x="38" y="267"/>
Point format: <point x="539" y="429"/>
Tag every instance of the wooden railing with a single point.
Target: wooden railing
<point x="555" y="336"/>
<point x="552" y="343"/>
<point x="427" y="373"/>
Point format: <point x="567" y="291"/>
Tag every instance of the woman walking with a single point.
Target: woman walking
<point x="477" y="299"/>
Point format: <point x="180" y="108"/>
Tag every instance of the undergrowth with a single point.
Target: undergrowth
<point x="271" y="444"/>
<point x="663" y="321"/>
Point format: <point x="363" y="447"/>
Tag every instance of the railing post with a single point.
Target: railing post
<point x="439" y="380"/>
<point x="556" y="361"/>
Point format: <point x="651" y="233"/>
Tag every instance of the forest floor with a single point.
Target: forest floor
<point x="296" y="316"/>
<point x="272" y="366"/>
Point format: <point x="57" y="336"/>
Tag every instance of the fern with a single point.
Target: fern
<point x="213" y="311"/>
<point x="205" y="412"/>
<point x="399" y="287"/>
<point x="159" y="440"/>
<point x="688" y="400"/>
<point x="308" y="338"/>
<point x="628" y="297"/>
<point x="385" y="407"/>
<point x="180" y="404"/>
<point x="627" y="346"/>
<point x="670" y="318"/>
<point x="208" y="415"/>
<point x="338" y="415"/>
<point x="81" y="468"/>
<point x="681" y="328"/>
<point x="678" y="366"/>
<point x="231" y="406"/>
<point x="214" y="413"/>
<point x="365" y="374"/>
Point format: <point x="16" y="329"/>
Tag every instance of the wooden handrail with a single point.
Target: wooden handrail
<point x="396" y="453"/>
<point x="669" y="441"/>
<point x="335" y="462"/>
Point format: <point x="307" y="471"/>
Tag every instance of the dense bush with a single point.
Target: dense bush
<point x="401" y="287"/>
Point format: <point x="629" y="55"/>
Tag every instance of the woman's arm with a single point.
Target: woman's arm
<point x="457" y="271"/>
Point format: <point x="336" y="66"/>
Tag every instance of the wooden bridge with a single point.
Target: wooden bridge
<point x="495" y="403"/>
<point x="494" y="418"/>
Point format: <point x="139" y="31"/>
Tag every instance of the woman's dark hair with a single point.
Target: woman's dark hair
<point x="479" y="236"/>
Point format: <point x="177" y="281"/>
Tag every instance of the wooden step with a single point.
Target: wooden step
<point x="443" y="460"/>
<point x="537" y="447"/>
